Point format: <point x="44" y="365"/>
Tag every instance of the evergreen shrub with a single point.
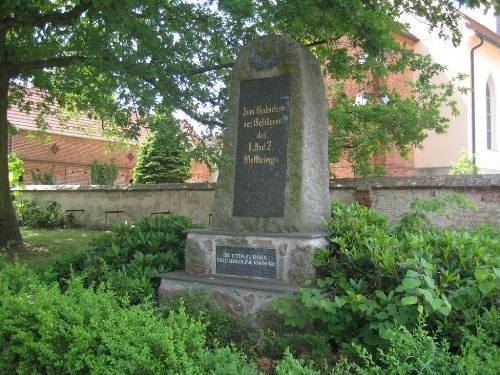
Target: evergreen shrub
<point x="164" y="157"/>
<point x="82" y="331"/>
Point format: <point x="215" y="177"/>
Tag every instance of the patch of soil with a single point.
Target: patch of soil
<point x="266" y="365"/>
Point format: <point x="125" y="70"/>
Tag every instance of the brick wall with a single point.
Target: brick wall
<point x="393" y="196"/>
<point x="69" y="158"/>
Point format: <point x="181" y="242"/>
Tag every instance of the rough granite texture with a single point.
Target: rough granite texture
<point x="238" y="297"/>
<point x="236" y="301"/>
<point x="306" y="191"/>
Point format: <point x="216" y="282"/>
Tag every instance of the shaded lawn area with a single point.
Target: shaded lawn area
<point x="43" y="245"/>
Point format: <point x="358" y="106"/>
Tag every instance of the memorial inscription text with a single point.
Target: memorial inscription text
<point x="245" y="261"/>
<point x="261" y="149"/>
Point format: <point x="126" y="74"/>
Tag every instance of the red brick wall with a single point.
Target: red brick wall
<point x="73" y="157"/>
<point x="392" y="161"/>
<point x="394" y="164"/>
<point x="200" y="173"/>
<point x="397" y="166"/>
<point x="71" y="161"/>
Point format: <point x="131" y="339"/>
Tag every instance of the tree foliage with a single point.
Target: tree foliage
<point x="164" y="156"/>
<point x="464" y="165"/>
<point x="120" y="60"/>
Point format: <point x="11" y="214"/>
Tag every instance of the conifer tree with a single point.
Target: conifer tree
<point x="164" y="157"/>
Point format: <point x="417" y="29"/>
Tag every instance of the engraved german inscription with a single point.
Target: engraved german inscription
<point x="246" y="261"/>
<point x="261" y="148"/>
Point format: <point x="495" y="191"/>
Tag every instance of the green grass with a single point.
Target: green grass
<point x="45" y="244"/>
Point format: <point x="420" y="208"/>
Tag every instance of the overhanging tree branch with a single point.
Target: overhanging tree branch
<point x="195" y="116"/>
<point x="55" y="62"/>
<point x="53" y="18"/>
<point x="211" y="68"/>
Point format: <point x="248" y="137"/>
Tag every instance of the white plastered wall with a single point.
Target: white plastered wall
<point x="440" y="150"/>
<point x="487" y="70"/>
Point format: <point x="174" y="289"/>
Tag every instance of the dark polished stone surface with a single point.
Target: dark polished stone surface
<point x="261" y="151"/>
<point x="246" y="261"/>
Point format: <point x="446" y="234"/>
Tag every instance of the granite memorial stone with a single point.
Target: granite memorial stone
<point x="277" y="137"/>
<point x="272" y="199"/>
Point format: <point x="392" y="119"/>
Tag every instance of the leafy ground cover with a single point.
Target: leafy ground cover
<point x="406" y="285"/>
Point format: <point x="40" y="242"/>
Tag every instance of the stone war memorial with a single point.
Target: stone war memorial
<point x="272" y="199"/>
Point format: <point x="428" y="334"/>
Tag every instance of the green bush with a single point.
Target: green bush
<point x="418" y="352"/>
<point x="152" y="245"/>
<point x="128" y="257"/>
<point x="464" y="165"/>
<point x="16" y="170"/>
<point x="383" y="276"/>
<point x="103" y="173"/>
<point x="221" y="327"/>
<point x="32" y="215"/>
<point x="43" y="178"/>
<point x="311" y="348"/>
<point x="82" y="331"/>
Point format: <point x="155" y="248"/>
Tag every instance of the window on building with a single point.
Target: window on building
<point x="491" y="127"/>
<point x="361" y="99"/>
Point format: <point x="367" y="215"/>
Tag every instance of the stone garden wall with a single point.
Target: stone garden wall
<point x="393" y="196"/>
<point x="101" y="206"/>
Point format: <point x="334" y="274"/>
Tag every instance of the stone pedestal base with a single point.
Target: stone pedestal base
<point x="238" y="297"/>
<point x="285" y="257"/>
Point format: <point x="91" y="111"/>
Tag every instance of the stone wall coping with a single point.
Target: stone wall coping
<point x="255" y="284"/>
<point x="258" y="234"/>
<point x="491" y="181"/>
<point x="433" y="182"/>
<point x="127" y="187"/>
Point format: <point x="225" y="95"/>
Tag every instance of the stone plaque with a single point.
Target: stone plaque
<point x="246" y="261"/>
<point x="261" y="150"/>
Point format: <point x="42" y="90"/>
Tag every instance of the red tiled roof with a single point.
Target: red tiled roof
<point x="59" y="122"/>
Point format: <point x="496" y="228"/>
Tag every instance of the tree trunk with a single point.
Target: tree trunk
<point x="9" y="230"/>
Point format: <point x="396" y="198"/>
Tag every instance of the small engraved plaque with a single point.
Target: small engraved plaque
<point x="246" y="261"/>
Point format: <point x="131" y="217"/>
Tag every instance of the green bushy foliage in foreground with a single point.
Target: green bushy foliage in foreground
<point x="152" y="245"/>
<point x="419" y="352"/>
<point x="81" y="331"/>
<point x="128" y="257"/>
<point x="33" y="215"/>
<point x="382" y="276"/>
<point x="221" y="326"/>
<point x="86" y="331"/>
